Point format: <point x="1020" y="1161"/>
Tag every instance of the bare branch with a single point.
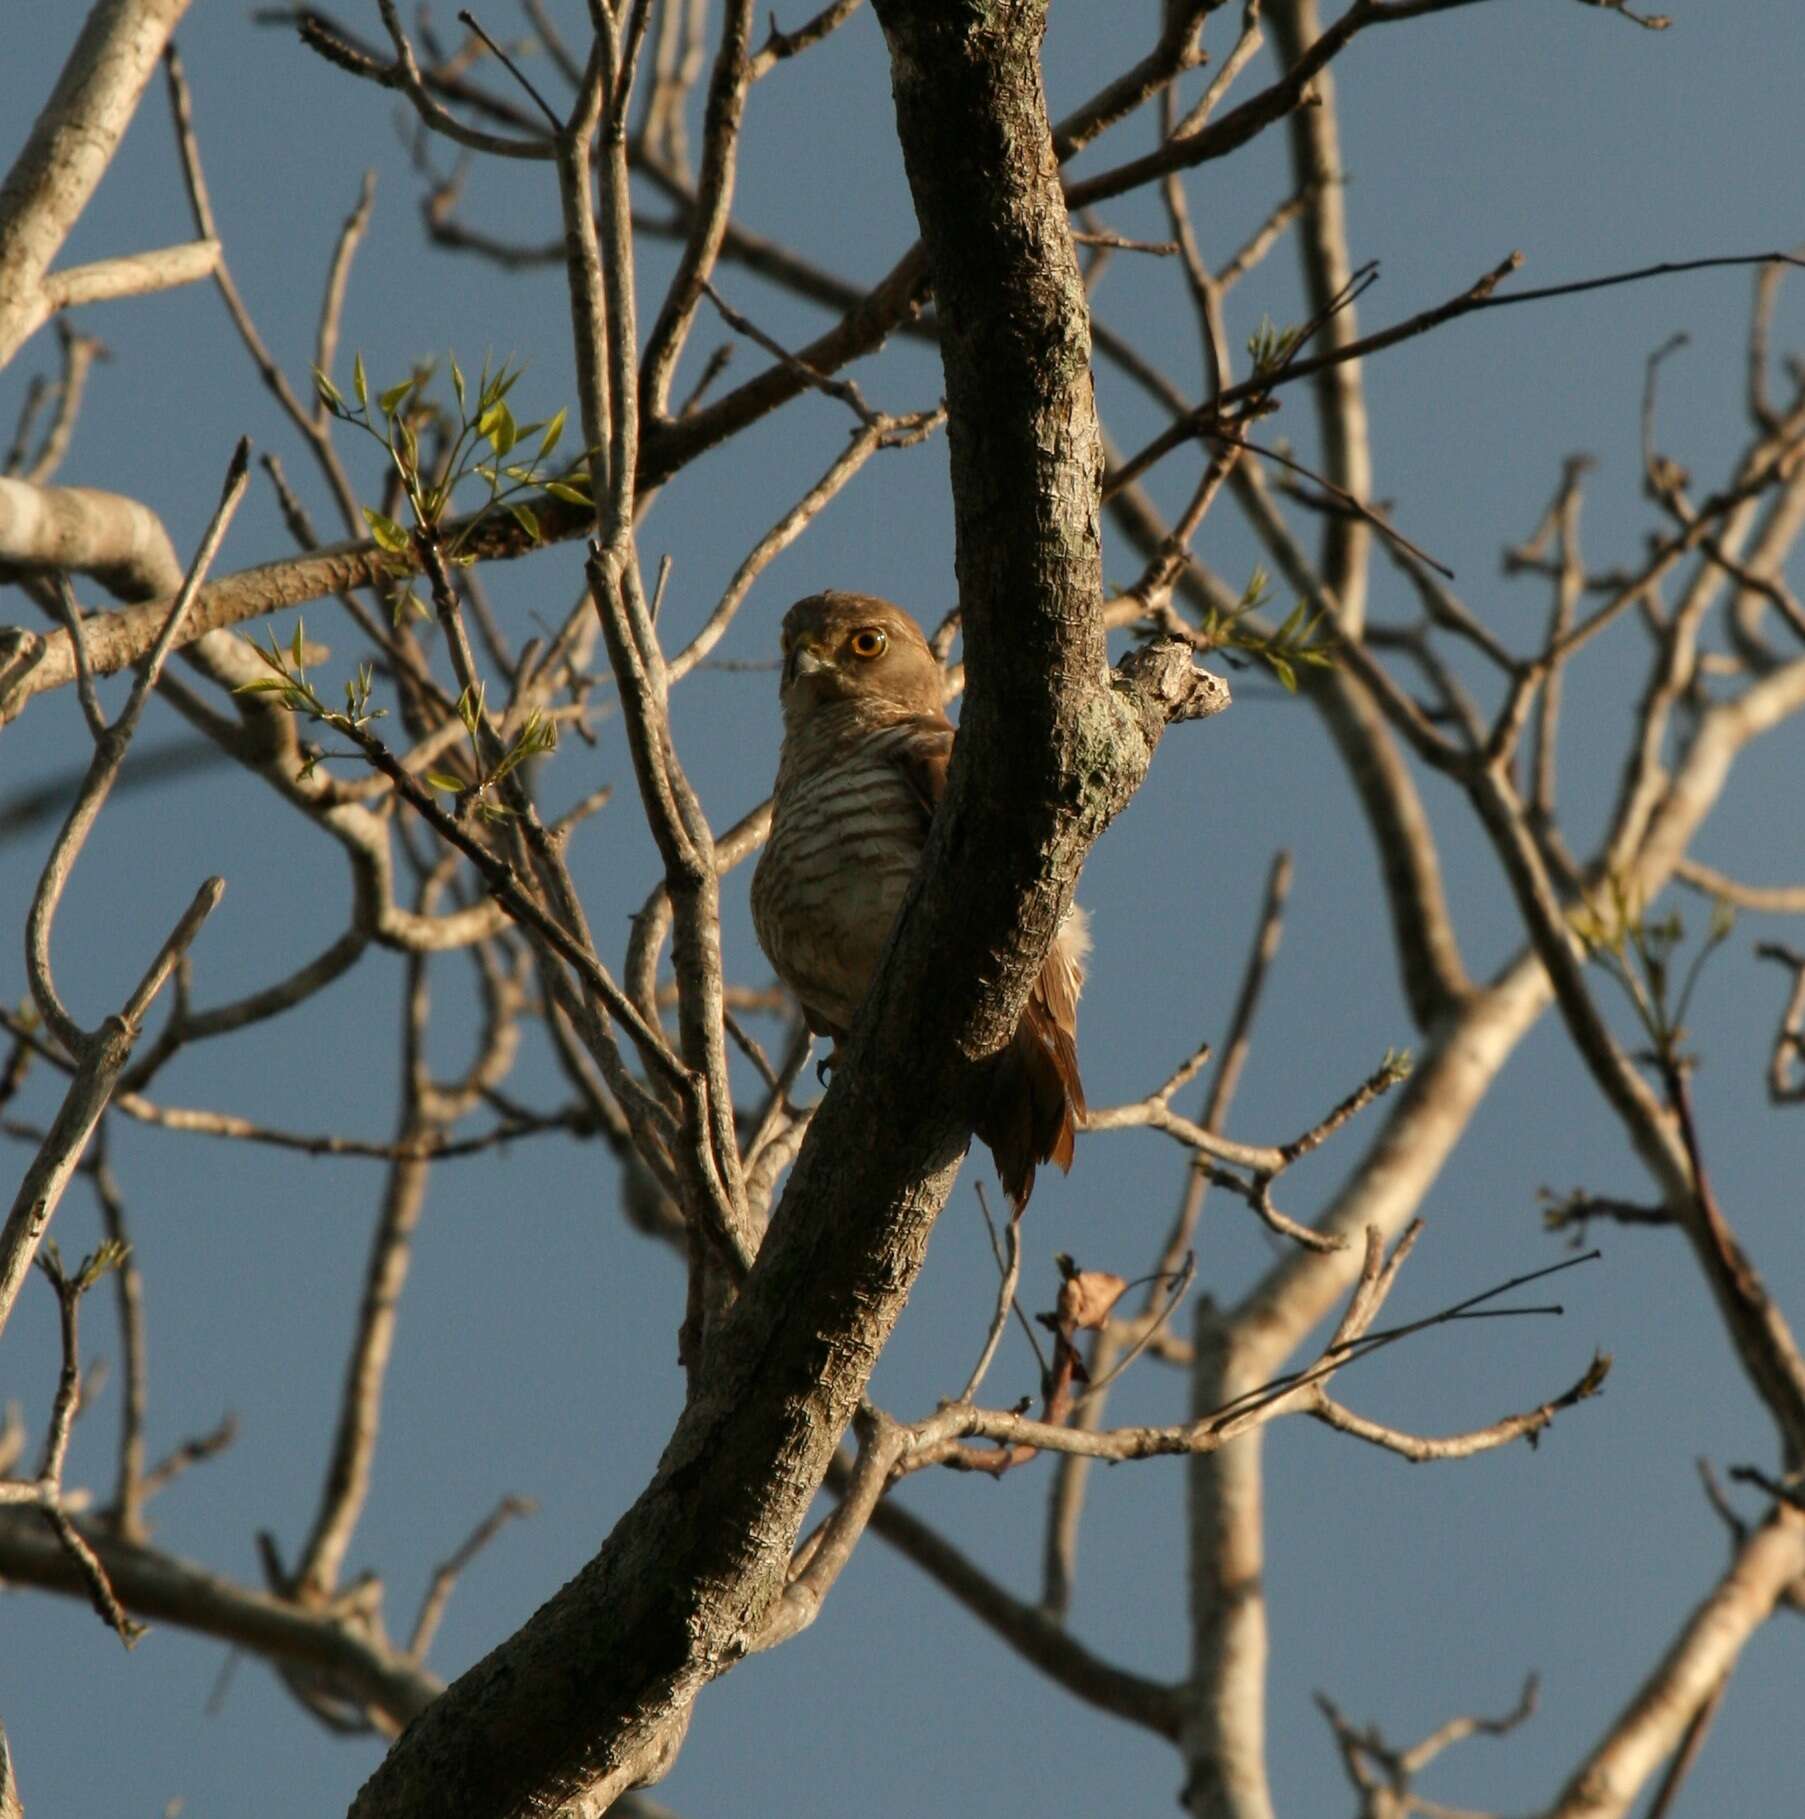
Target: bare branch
<point x="131" y="275"/>
<point x="1770" y="899"/>
<point x="1690" y="1674"/>
<point x="1384" y="1774"/>
<point x="447" y="1573"/>
<point x="404" y="74"/>
<point x="714" y="203"/>
<point x="100" y="1055"/>
<point x="780" y="46"/>
<point x="1479" y="296"/>
<point x="109" y="754"/>
<point x="70" y="146"/>
<point x="44" y="1493"/>
<point x="1459" y="1446"/>
<point x="165" y="1589"/>
<point x="1027" y="1629"/>
<point x="999" y="1320"/>
<point x="1786" y="1066"/>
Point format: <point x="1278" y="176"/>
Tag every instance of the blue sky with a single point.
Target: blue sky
<point x="537" y="1345"/>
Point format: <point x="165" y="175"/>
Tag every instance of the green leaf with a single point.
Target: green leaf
<point x="1283" y="670"/>
<point x="391" y="399"/>
<point x="562" y="489"/>
<point x="538" y="736"/>
<point x="1293" y="620"/>
<point x="504" y="434"/>
<point x="359" y="384"/>
<point x="526" y="518"/>
<point x="457" y="381"/>
<point x="328" y="391"/>
<point x="444" y="780"/>
<point x="262" y="686"/>
<point x="553" y="430"/>
<point x="388" y="534"/>
<point x="294" y="644"/>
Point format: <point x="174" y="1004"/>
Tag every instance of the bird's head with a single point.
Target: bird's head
<point x="854" y="647"/>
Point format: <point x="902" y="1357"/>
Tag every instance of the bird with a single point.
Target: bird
<point x="866" y="745"/>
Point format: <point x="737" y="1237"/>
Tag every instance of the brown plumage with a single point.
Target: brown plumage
<point x="865" y="752"/>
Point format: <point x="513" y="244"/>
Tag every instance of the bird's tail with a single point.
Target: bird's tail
<point x="1034" y="1108"/>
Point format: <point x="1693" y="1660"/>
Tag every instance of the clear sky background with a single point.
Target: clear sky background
<point x="536" y="1353"/>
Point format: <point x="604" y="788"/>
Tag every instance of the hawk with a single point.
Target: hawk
<point x="865" y="751"/>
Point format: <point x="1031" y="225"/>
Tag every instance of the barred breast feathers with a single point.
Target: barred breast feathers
<point x="862" y="771"/>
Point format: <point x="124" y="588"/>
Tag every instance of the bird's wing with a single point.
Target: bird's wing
<point x="923" y="754"/>
<point x="1038" y="1098"/>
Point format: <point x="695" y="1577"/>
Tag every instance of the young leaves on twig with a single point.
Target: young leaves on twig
<point x="479" y="440"/>
<point x="1640" y="955"/>
<point x="1301" y="639"/>
<point x="289" y="682"/>
<point x="536" y="737"/>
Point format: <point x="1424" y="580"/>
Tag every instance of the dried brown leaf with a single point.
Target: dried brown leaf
<point x="1086" y="1297"/>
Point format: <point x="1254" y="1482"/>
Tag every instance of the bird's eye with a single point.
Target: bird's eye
<point x="868" y="642"/>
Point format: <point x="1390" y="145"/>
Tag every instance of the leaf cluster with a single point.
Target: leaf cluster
<point x="290" y="684"/>
<point x="537" y="736"/>
<point x="481" y="440"/>
<point x="110" y="1255"/>
<point x="1301" y="639"/>
<point x="1271" y="347"/>
<point x="1641" y="953"/>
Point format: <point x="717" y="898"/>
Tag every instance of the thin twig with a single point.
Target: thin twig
<point x="447" y="1572"/>
<point x="845" y="390"/>
<point x="467" y="18"/>
<point x="999" y="1319"/>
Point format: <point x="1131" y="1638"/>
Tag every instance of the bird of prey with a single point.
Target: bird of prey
<point x="864" y="763"/>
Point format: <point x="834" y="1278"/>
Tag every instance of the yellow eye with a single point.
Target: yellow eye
<point x="868" y="642"/>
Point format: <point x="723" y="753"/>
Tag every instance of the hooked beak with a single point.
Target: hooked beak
<point x="803" y="661"/>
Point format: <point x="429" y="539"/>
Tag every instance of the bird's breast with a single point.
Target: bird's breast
<point x="846" y="837"/>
